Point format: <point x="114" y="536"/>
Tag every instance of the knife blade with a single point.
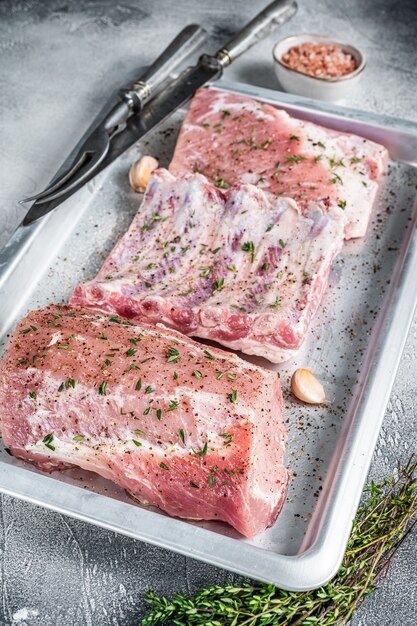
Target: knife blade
<point x="178" y="92"/>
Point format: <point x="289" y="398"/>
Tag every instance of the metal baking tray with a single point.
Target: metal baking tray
<point x="354" y="346"/>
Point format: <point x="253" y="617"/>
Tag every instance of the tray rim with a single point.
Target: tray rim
<point x="317" y="564"/>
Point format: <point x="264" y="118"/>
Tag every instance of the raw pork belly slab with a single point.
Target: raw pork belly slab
<point x="230" y="138"/>
<point x="198" y="433"/>
<point x="243" y="268"/>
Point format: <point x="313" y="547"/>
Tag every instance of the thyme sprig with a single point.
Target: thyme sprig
<point x="382" y="523"/>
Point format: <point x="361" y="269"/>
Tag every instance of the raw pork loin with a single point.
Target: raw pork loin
<point x="244" y="268"/>
<point x="198" y="433"/>
<point x="230" y="137"/>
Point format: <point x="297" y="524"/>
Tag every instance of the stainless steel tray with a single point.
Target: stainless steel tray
<point x="354" y="345"/>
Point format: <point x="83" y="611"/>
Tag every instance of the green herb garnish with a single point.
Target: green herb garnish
<point x="383" y="522"/>
<point x="47" y="440"/>
<point x="173" y="355"/>
<point x="248" y="246"/>
<point x="218" y="284"/>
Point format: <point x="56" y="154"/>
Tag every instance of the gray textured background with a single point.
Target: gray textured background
<point x="58" y="61"/>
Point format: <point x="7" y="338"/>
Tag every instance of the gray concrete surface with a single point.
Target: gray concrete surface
<point x="58" y="61"/>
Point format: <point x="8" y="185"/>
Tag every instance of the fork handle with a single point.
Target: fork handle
<point x="188" y="40"/>
<point x="275" y="14"/>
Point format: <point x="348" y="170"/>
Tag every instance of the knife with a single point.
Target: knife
<point x="140" y="121"/>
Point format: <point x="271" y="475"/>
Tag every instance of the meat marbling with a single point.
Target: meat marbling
<point x="230" y="137"/>
<point x="198" y="433"/>
<point x="244" y="268"/>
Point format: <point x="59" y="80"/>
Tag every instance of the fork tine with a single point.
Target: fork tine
<point x="58" y="184"/>
<point x="87" y="159"/>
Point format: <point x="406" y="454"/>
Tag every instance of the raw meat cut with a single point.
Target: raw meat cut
<point x="230" y="137"/>
<point x="198" y="433"/>
<point x="244" y="268"/>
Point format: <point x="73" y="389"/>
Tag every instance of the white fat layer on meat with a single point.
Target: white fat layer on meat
<point x="304" y="248"/>
<point x="223" y="102"/>
<point x="209" y="421"/>
<point x="157" y="255"/>
<point x="177" y="339"/>
<point x="57" y="336"/>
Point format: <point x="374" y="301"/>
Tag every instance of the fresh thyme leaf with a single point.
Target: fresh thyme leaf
<point x="249" y="246"/>
<point x="197" y="374"/>
<point x="138" y="386"/>
<point x="78" y="437"/>
<point x="182" y="435"/>
<point x="295" y="158"/>
<point x="174" y="404"/>
<point x="47" y="440"/>
<point x="205" y="271"/>
<point x="131" y="352"/>
<point x="218" y="284"/>
<point x="137" y="443"/>
<point x="239" y="308"/>
<point x="164" y="466"/>
<point x="32" y="394"/>
<point x="102" y="389"/>
<point x="232" y="396"/>
<point x="173" y="355"/>
<point x="201" y="452"/>
<point x="382" y="523"/>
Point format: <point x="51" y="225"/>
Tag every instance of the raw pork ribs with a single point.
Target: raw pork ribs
<point x="244" y="268"/>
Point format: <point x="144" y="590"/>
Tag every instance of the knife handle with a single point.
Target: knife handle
<point x="150" y="83"/>
<point x="274" y="15"/>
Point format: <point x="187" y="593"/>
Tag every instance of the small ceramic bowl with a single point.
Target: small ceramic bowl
<point x="330" y="89"/>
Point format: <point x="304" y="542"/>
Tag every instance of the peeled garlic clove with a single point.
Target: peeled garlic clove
<point x="141" y="171"/>
<point x="306" y="387"/>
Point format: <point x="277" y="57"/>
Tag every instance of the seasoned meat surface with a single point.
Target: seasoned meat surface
<point x="197" y="432"/>
<point x="231" y="137"/>
<point x="244" y="268"/>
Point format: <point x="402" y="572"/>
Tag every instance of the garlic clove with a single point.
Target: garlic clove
<point x="140" y="172"/>
<point x="306" y="387"/>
